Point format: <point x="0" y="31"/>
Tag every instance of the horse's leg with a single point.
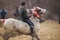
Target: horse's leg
<point x="5" y="37"/>
<point x="37" y="37"/>
<point x="35" y="34"/>
<point x="32" y="36"/>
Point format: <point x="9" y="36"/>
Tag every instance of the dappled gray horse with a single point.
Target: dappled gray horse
<point x="12" y="24"/>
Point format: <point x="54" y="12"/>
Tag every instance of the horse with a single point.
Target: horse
<point x="12" y="24"/>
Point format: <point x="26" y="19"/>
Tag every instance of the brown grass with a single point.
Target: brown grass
<point x="50" y="30"/>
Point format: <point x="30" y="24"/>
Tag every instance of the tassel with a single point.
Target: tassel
<point x="3" y="20"/>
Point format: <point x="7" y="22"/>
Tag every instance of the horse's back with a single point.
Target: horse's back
<point x="19" y="25"/>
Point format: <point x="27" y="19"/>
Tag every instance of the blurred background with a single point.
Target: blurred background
<point x="52" y="7"/>
<point x="49" y="30"/>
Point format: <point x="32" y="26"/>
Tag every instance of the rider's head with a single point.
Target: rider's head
<point x="23" y="4"/>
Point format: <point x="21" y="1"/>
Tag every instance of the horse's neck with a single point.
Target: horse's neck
<point x="36" y="23"/>
<point x="34" y="20"/>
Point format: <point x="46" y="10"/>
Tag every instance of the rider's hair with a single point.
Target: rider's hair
<point x="23" y="3"/>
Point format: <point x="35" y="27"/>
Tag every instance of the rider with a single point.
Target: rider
<point x="3" y="13"/>
<point x="25" y="16"/>
<point x="16" y="12"/>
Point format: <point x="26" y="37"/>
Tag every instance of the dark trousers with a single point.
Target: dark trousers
<point x="29" y="22"/>
<point x="2" y="16"/>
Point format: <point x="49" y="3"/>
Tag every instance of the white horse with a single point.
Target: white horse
<point x="12" y="24"/>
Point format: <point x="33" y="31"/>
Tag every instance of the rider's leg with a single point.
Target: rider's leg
<point x="30" y="24"/>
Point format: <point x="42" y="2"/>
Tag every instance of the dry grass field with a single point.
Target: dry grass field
<point x="49" y="30"/>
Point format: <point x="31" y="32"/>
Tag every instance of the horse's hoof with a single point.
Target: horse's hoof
<point x="5" y="37"/>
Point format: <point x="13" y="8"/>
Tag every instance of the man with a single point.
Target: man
<point x="3" y="13"/>
<point x="24" y="15"/>
<point x="16" y="12"/>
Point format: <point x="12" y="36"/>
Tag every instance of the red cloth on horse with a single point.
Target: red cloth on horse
<point x="36" y="13"/>
<point x="3" y="20"/>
